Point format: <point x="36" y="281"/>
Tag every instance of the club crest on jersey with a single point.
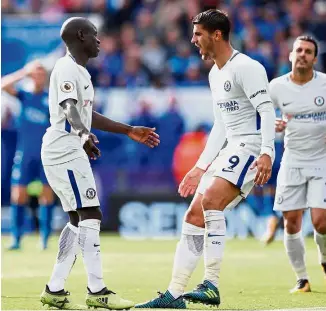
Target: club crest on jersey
<point x="90" y="193"/>
<point x="227" y="86"/>
<point x="67" y="87"/>
<point x="319" y="101"/>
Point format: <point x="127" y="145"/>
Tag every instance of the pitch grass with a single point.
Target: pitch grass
<point x="253" y="277"/>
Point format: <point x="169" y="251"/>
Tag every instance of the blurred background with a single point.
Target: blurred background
<point x="149" y="74"/>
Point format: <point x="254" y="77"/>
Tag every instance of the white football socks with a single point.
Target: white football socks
<point x="67" y="255"/>
<point x="320" y="240"/>
<point x="187" y="255"/>
<point x="214" y="244"/>
<point x="89" y="242"/>
<point x="294" y="246"/>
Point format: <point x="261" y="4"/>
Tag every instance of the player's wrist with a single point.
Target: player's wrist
<point x="267" y="151"/>
<point x="84" y="134"/>
<point x="129" y="129"/>
<point x="201" y="166"/>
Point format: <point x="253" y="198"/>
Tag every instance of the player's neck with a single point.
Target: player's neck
<point x="223" y="55"/>
<point x="301" y="78"/>
<point x="38" y="90"/>
<point x="80" y="58"/>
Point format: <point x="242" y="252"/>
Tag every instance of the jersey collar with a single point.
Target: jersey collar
<point x="73" y="58"/>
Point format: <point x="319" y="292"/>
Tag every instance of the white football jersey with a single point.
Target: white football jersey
<point x="238" y="88"/>
<point x="304" y="107"/>
<point x="68" y="80"/>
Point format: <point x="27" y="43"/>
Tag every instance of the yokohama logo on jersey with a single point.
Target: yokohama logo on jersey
<point x="258" y="92"/>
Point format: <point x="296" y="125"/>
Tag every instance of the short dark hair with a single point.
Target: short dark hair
<point x="309" y="39"/>
<point x="213" y="20"/>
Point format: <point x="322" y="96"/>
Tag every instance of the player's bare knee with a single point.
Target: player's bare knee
<point x="213" y="202"/>
<point x="195" y="218"/>
<point x="292" y="225"/>
<point x="319" y="225"/>
<point x="46" y="200"/>
<point x="19" y="195"/>
<point x="47" y="196"/>
<point x="73" y="218"/>
<point x="91" y="212"/>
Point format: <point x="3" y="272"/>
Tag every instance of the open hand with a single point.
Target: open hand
<point x="264" y="169"/>
<point x="190" y="182"/>
<point x="144" y="135"/>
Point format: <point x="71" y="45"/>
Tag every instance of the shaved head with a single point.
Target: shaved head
<point x="80" y="37"/>
<point x="72" y="26"/>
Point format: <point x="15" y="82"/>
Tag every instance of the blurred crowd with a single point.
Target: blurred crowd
<point x="147" y="42"/>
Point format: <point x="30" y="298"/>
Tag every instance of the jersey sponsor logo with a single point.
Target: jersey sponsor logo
<point x="229" y="106"/>
<point x="90" y="193"/>
<point x="86" y="87"/>
<point x="315" y="116"/>
<point x="67" y="87"/>
<point x="319" y="101"/>
<point x="227" y="86"/>
<point x="286" y="104"/>
<point x="258" y="92"/>
<point x="216" y="242"/>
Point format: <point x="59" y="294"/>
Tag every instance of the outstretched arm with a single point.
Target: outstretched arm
<point x="141" y="134"/>
<point x="105" y="124"/>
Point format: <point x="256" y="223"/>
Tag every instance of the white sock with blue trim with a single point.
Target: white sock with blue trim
<point x="214" y="244"/>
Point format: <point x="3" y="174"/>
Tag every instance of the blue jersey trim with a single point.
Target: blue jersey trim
<point x="67" y="126"/>
<point x="244" y="171"/>
<point x="75" y="188"/>
<point x="258" y="121"/>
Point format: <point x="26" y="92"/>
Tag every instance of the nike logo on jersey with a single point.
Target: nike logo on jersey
<point x="86" y="87"/>
<point x="96" y="245"/>
<point x="228" y="170"/>
<point x="212" y="235"/>
<point x="285" y="104"/>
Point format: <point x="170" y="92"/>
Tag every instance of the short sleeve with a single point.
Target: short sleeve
<point x="66" y="80"/>
<point x="253" y="79"/>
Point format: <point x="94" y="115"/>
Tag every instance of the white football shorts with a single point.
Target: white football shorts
<point x="300" y="188"/>
<point x="74" y="184"/>
<point x="233" y="164"/>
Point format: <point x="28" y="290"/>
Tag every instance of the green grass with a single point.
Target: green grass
<point x="253" y="277"/>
